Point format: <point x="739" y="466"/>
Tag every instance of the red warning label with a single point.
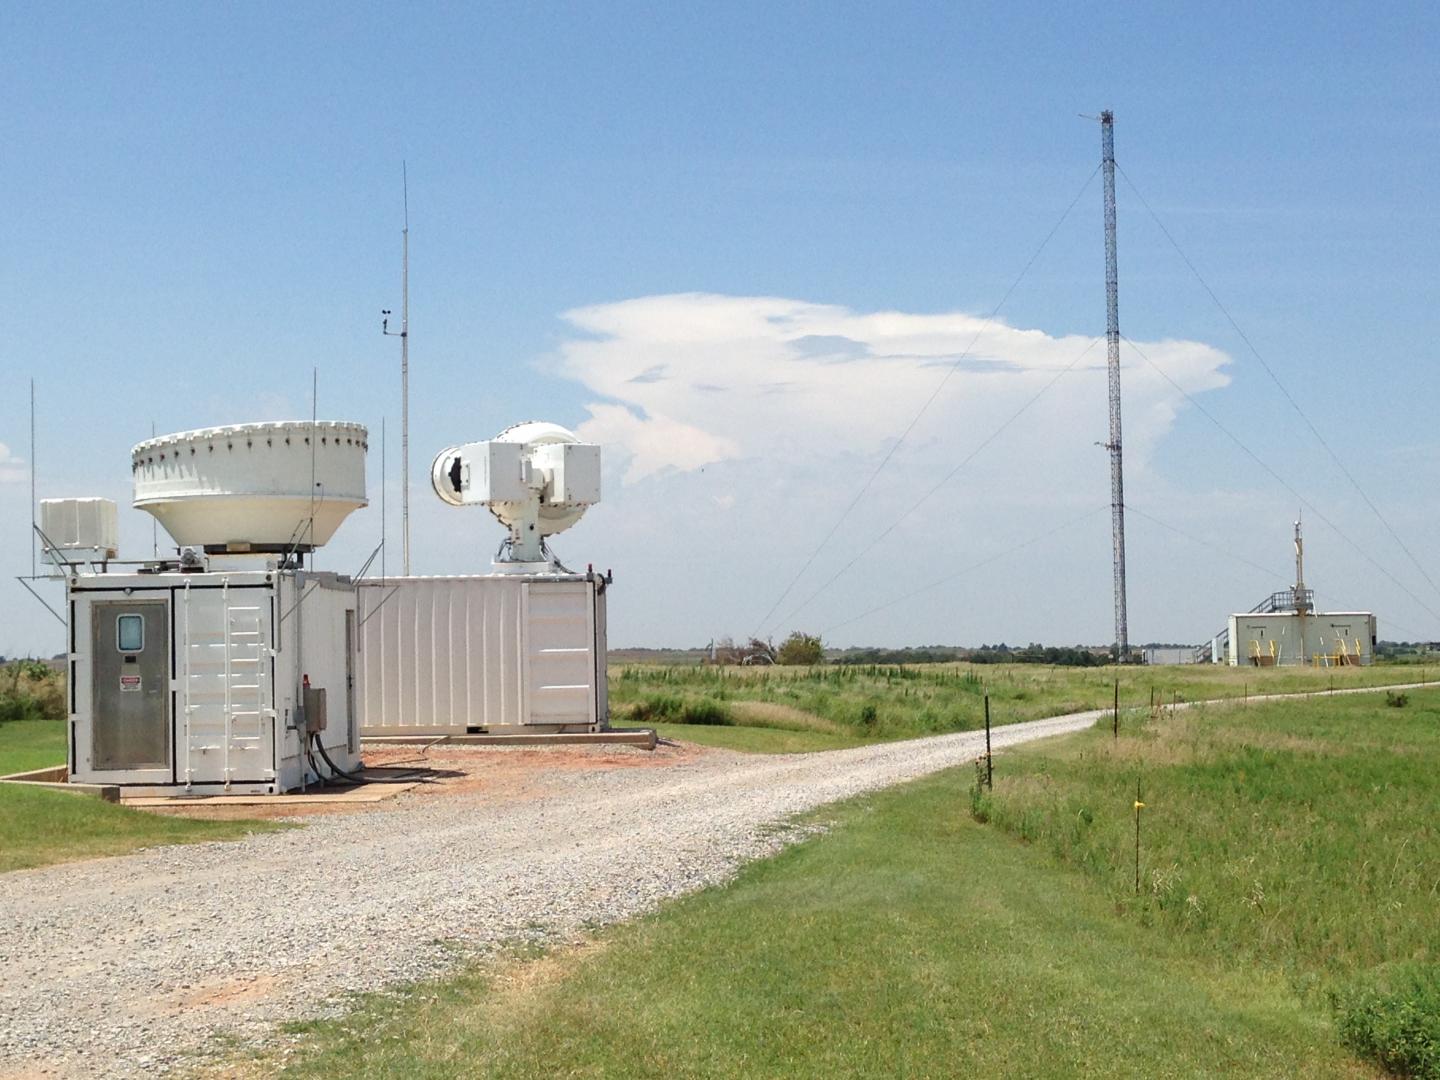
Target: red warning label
<point x="129" y="682"/>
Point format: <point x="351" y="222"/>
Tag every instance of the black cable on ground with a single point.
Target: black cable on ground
<point x="423" y="751"/>
<point x="410" y="778"/>
<point x="325" y="781"/>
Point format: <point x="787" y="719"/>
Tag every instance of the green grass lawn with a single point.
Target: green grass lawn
<point x="871" y="703"/>
<point x="909" y="941"/>
<point x="1301" y="833"/>
<point x="31" y="744"/>
<point x="39" y="827"/>
<point x="1298" y="837"/>
<point x="1290" y="865"/>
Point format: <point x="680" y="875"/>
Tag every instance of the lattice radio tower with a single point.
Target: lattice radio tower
<point x="1112" y="351"/>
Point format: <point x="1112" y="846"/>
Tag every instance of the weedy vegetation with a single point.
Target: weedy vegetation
<point x="31" y="690"/>
<point x="860" y="703"/>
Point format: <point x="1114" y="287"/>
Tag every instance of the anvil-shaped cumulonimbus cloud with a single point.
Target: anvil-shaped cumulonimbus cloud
<point x="691" y="379"/>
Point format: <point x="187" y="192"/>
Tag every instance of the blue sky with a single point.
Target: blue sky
<point x="202" y="205"/>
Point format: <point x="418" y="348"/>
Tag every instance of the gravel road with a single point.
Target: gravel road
<point x="125" y="966"/>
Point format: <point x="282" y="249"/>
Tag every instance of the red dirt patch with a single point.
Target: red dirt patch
<point x="484" y="772"/>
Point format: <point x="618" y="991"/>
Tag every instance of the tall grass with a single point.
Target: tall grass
<point x="891" y="701"/>
<point x="31" y="690"/>
<point x="1300" y="836"/>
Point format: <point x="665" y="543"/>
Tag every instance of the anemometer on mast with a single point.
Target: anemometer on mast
<point x="537" y="478"/>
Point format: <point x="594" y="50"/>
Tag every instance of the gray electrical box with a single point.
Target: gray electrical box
<point x="314" y="709"/>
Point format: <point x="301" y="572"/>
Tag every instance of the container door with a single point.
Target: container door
<point x="559" y="656"/>
<point x="130" y="685"/>
<point x="227" y="724"/>
<point x="602" y="658"/>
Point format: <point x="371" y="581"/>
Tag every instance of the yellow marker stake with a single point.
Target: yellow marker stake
<point x="1138" y="807"/>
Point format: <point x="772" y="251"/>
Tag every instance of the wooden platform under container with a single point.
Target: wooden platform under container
<point x="316" y="796"/>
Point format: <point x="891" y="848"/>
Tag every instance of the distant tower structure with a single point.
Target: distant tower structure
<point x="1112" y="350"/>
<point x="1302" y="594"/>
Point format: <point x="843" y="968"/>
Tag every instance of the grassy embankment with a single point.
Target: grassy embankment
<point x="1289" y="859"/>
<point x="1297" y="837"/>
<point x="783" y="710"/>
<point x="39" y="827"/>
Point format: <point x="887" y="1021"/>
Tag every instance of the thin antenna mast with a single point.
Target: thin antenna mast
<point x="383" y="513"/>
<point x="314" y="413"/>
<point x="32" y="479"/>
<point x="1112" y="342"/>
<point x="1302" y="597"/>
<point x="154" y="521"/>
<point x="404" y="336"/>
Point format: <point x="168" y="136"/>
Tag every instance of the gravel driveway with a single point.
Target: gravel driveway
<point x="120" y="966"/>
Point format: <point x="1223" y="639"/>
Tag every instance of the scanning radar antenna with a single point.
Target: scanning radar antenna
<point x="537" y="478"/>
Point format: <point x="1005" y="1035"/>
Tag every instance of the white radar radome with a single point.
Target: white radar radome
<point x="270" y="487"/>
<point x="537" y="478"/>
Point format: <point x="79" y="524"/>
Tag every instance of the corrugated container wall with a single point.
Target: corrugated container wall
<point x="447" y="655"/>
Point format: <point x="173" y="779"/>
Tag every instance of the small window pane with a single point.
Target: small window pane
<point x="130" y="633"/>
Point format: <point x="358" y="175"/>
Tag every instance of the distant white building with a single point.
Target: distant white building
<point x="1284" y="638"/>
<point x="1168" y="654"/>
<point x="1285" y="630"/>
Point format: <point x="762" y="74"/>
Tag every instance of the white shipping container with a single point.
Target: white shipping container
<point x="189" y="682"/>
<point x="492" y="653"/>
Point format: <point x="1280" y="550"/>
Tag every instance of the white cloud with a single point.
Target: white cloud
<point x="737" y="430"/>
<point x="654" y="442"/>
<point x="12" y="468"/>
<point x="694" y="379"/>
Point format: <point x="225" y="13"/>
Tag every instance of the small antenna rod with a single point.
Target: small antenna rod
<point x="154" y="521"/>
<point x="32" y="479"/>
<point x="1301" y="601"/>
<point x="404" y="336"/>
<point x="383" y="514"/>
<point x="405" y="365"/>
<point x="314" y="406"/>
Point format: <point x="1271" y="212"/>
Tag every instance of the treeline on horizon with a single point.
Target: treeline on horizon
<point x="1034" y="653"/>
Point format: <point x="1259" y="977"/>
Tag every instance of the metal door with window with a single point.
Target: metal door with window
<point x="130" y="684"/>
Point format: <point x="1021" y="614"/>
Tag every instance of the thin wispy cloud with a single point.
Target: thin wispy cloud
<point x="12" y="468"/>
